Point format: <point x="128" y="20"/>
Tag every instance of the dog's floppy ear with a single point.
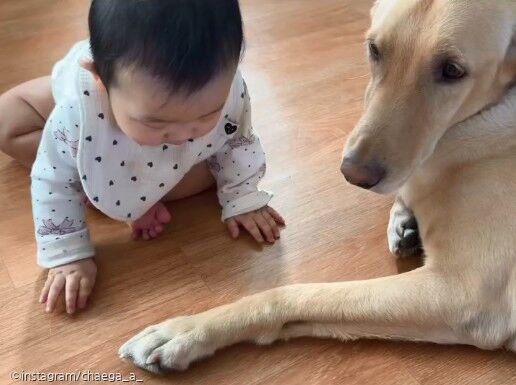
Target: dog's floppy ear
<point x="374" y="8"/>
<point x="512" y="49"/>
<point x="510" y="58"/>
<point x="507" y="72"/>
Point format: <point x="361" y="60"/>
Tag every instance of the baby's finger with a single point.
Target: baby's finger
<point x="85" y="288"/>
<point x="234" y="231"/>
<point x="250" y="226"/>
<point x="152" y="233"/>
<point x="158" y="229"/>
<point x="264" y="227"/>
<point x="71" y="289"/>
<point x="272" y="223"/>
<point x="145" y="235"/>
<point x="55" y="290"/>
<point x="277" y="217"/>
<point x="44" y="292"/>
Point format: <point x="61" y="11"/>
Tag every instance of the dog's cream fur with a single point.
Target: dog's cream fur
<point x="450" y="151"/>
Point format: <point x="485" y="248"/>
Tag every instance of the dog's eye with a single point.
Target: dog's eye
<point x="374" y="52"/>
<point x="452" y="72"/>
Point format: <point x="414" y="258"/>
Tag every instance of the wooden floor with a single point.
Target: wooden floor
<point x="306" y="71"/>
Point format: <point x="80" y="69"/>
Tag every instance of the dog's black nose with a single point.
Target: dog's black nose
<point x="362" y="174"/>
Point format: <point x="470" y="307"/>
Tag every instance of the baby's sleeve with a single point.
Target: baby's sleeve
<point x="238" y="168"/>
<point x="57" y="197"/>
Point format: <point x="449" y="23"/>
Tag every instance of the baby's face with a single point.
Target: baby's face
<point x="150" y="116"/>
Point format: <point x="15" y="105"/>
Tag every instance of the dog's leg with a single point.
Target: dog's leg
<point x="353" y="332"/>
<point x="402" y="232"/>
<point x="418" y="305"/>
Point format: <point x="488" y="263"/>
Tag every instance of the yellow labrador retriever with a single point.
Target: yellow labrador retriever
<point x="440" y="128"/>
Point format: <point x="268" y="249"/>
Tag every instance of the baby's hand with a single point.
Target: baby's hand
<point x="260" y="223"/>
<point x="77" y="280"/>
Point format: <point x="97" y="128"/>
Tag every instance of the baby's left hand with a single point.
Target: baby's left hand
<point x="261" y="223"/>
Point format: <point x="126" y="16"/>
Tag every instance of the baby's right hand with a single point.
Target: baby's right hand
<point x="76" y="278"/>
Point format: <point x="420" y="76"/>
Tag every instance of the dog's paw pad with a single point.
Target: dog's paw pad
<point x="403" y="234"/>
<point x="173" y="345"/>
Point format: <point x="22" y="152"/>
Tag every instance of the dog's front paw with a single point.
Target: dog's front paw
<point x="403" y="233"/>
<point x="171" y="345"/>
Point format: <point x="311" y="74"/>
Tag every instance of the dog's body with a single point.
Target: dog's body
<point x="458" y="179"/>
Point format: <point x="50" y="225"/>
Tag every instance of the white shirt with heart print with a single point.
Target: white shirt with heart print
<point x="83" y="152"/>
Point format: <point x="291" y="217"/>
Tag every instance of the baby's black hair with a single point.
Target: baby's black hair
<point x="183" y="43"/>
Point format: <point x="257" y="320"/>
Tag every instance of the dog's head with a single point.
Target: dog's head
<point x="434" y="63"/>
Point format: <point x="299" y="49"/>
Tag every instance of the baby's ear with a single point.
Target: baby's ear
<point x="89" y="65"/>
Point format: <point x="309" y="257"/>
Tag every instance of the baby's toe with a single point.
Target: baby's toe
<point x="136" y="234"/>
<point x="163" y="215"/>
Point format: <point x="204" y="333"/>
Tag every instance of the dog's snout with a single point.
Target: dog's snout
<point x="360" y="173"/>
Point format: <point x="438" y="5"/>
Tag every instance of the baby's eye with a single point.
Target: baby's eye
<point x="210" y="116"/>
<point x="206" y="118"/>
<point x="154" y="126"/>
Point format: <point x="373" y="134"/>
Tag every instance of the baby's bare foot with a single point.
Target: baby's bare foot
<point x="151" y="224"/>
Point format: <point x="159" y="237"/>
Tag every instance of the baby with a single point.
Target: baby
<point x="151" y="108"/>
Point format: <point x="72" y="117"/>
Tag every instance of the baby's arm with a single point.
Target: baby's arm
<point x="238" y="168"/>
<point x="58" y="210"/>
